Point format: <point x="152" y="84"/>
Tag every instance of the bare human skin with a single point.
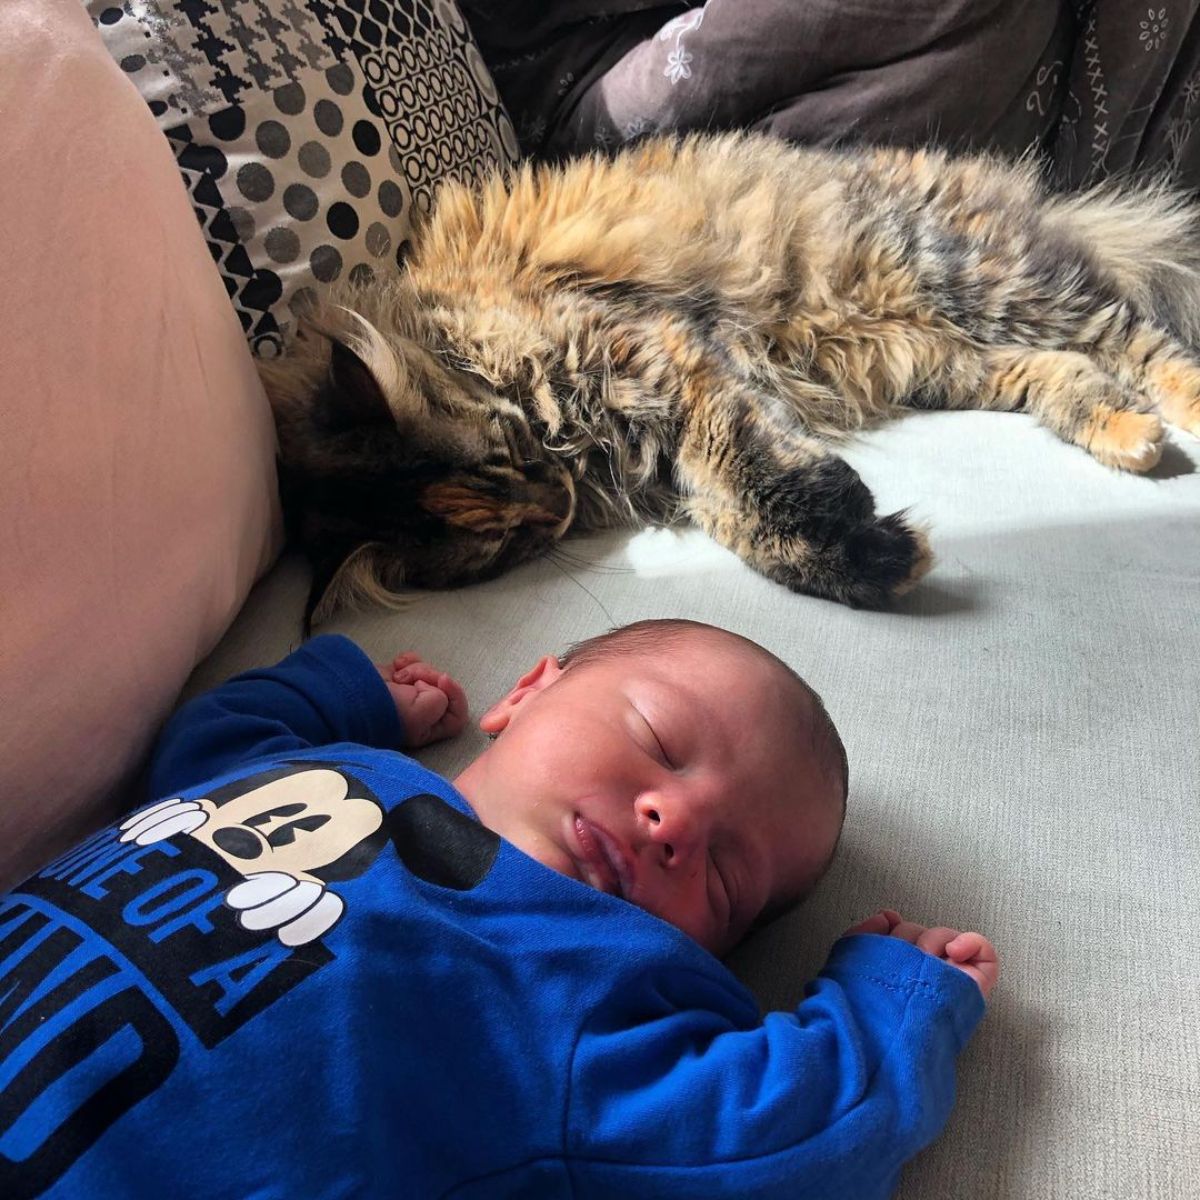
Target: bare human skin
<point x="636" y="776"/>
<point x="430" y="704"/>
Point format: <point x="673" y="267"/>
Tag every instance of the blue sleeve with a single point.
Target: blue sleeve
<point x="829" y="1100"/>
<point x="327" y="691"/>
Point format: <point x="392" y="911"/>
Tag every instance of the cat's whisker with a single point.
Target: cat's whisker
<point x="583" y="588"/>
<point x="559" y="554"/>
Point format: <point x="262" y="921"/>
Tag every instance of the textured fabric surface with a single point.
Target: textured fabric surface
<point x="825" y="70"/>
<point x="130" y="533"/>
<point x="1104" y="87"/>
<point x="309" y="133"/>
<point x="1022" y="732"/>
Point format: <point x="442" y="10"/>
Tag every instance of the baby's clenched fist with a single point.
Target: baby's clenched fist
<point x="430" y="704"/>
<point x="971" y="953"/>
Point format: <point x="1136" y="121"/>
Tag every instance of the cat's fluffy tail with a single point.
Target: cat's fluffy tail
<point x="1148" y="239"/>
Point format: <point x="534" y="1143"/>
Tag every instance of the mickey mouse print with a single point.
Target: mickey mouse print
<point x="180" y="926"/>
<point x="288" y="838"/>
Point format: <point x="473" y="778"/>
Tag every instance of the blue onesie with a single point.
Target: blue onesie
<point x="307" y="971"/>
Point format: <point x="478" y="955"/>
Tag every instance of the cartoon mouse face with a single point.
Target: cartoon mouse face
<point x="302" y="829"/>
<point x="297" y="824"/>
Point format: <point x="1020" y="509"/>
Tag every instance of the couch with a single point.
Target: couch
<point x="1022" y="728"/>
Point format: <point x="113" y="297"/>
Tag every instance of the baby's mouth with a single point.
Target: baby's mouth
<point x="599" y="858"/>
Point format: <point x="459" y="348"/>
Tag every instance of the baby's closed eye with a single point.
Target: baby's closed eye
<point x="654" y="743"/>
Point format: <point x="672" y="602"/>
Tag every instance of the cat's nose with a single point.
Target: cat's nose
<point x="538" y="473"/>
<point x="550" y="496"/>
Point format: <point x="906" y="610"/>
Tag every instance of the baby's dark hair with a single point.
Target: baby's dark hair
<point x="653" y="636"/>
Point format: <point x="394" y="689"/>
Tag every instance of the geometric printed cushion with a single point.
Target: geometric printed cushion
<point x="308" y="131"/>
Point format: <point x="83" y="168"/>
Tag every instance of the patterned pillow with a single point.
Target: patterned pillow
<point x="307" y="131"/>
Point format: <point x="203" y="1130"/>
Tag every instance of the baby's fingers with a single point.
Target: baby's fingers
<point x="907" y="931"/>
<point x="454" y="719"/>
<point x="413" y="670"/>
<point x="428" y="704"/>
<point x="966" y="946"/>
<point x="934" y="941"/>
<point x="974" y="954"/>
<point x="876" y="923"/>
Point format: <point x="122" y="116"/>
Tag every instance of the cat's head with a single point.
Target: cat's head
<point x="398" y="470"/>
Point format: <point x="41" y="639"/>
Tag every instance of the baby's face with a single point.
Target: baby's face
<point x="682" y="781"/>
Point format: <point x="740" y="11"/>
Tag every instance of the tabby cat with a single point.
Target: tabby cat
<point x="679" y="331"/>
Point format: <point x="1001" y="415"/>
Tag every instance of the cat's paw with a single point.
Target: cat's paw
<point x="865" y="565"/>
<point x="884" y="560"/>
<point x="1187" y="418"/>
<point x="1123" y="438"/>
<point x="817" y="533"/>
<point x="1185" y="413"/>
<point x="1175" y="386"/>
<point x="921" y="564"/>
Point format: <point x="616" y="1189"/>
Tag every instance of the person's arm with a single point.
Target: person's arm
<point x="326" y="691"/>
<point x="826" y="1101"/>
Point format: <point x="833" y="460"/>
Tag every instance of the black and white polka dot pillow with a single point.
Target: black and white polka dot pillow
<point x="308" y="131"/>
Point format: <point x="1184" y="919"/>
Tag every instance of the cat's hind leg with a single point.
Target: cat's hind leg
<point x="795" y="511"/>
<point x="1069" y="393"/>
<point x="1154" y="362"/>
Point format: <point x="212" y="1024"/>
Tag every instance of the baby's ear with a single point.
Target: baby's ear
<point x="496" y="719"/>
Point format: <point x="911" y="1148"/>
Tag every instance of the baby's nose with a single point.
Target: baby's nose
<point x="670" y="825"/>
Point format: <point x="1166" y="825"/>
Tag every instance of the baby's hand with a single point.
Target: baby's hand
<point x="971" y="953"/>
<point x="431" y="705"/>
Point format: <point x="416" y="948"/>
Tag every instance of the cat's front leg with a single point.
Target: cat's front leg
<point x="791" y="508"/>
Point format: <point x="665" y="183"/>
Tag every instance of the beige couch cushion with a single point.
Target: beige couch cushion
<point x="137" y="490"/>
<point x="1023" y="760"/>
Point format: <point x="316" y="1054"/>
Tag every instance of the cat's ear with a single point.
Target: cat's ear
<point x="355" y="396"/>
<point x="393" y="364"/>
<point x="372" y="381"/>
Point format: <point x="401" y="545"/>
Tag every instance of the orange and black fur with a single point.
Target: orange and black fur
<point x="680" y="330"/>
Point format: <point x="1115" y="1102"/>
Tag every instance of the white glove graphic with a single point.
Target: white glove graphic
<point x="299" y="910"/>
<point x="162" y="821"/>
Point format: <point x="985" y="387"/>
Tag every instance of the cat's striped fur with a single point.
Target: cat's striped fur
<point x="678" y="332"/>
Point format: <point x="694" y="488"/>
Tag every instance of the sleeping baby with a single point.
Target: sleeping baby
<point x="311" y="967"/>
